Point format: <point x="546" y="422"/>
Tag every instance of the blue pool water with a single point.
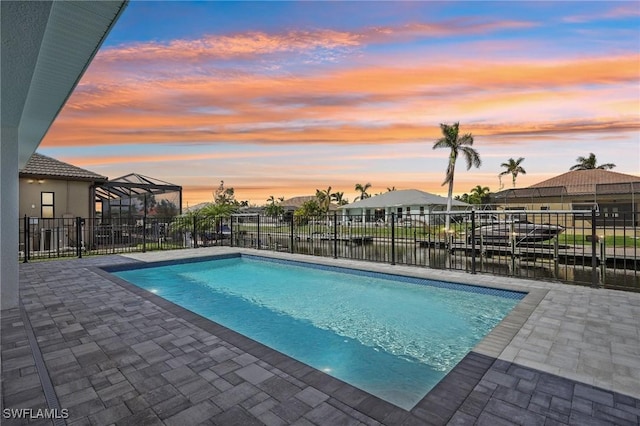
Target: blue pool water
<point x="394" y="337"/>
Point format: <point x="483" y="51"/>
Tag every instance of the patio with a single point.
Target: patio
<point x="116" y="354"/>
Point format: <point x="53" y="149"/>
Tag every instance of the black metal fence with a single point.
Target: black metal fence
<point x="570" y="246"/>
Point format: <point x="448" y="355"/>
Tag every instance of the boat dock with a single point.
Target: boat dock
<point x="628" y="258"/>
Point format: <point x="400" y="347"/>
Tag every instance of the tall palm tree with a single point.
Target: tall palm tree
<point x="590" y="163"/>
<point x="363" y="190"/>
<point x="513" y="168"/>
<point x="457" y="145"/>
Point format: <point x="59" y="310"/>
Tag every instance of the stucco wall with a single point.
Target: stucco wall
<point x="71" y="197"/>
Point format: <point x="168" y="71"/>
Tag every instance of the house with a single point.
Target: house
<point x="402" y="203"/>
<point x="49" y="188"/>
<point x="615" y="196"/>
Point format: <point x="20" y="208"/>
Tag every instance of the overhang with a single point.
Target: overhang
<point x="46" y="48"/>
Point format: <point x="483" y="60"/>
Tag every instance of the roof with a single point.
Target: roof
<point x="134" y="184"/>
<point x="404" y="197"/>
<point x="297" y="202"/>
<point x="577" y="182"/>
<point x="585" y="181"/>
<point x="42" y="166"/>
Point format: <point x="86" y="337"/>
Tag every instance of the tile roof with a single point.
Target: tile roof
<point x="42" y="166"/>
<point x="585" y="181"/>
<point x="297" y="202"/>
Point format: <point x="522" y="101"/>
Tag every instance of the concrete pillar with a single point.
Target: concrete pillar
<point x="9" y="218"/>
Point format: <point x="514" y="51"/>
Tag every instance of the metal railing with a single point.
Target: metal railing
<point x="571" y="246"/>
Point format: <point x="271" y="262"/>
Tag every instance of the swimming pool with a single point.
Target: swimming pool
<point x="395" y="337"/>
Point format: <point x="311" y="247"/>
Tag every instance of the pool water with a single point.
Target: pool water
<point x="394" y="337"/>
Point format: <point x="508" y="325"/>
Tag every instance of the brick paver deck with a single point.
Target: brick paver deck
<point x="115" y="354"/>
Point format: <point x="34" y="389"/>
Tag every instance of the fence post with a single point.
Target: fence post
<point x="594" y="260"/>
<point x="79" y="237"/>
<point x="393" y="238"/>
<point x="291" y="238"/>
<point x="473" y="241"/>
<point x="26" y="239"/>
<point x="335" y="235"/>
<point x="231" y="231"/>
<point x="258" y="238"/>
<point x="144" y="233"/>
<point x="195" y="231"/>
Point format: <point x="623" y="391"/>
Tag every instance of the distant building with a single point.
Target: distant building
<point x="50" y="188"/>
<point x="616" y="196"/>
<point x="292" y="204"/>
<point x="401" y="202"/>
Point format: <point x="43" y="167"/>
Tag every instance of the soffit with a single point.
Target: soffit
<point x="46" y="48"/>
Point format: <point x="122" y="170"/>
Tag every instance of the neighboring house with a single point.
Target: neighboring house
<point x="401" y="202"/>
<point x="292" y="204"/>
<point x="50" y="188"/>
<point x="616" y="196"/>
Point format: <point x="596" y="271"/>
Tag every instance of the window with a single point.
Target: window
<point x="421" y="210"/>
<point x="399" y="212"/>
<point x="46" y="205"/>
<point x="584" y="209"/>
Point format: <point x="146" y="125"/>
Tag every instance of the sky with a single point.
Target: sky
<point x="283" y="98"/>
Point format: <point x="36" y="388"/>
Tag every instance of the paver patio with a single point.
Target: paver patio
<point x="111" y="353"/>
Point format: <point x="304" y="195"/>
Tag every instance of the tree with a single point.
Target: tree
<point x="464" y="197"/>
<point x="513" y="168"/>
<point x="456" y="144"/>
<point x="307" y="209"/>
<point x="590" y="163"/>
<point x="338" y="197"/>
<point x="393" y="188"/>
<point x="273" y="208"/>
<point x="224" y="195"/>
<point x="478" y="195"/>
<point x="166" y="209"/>
<point x="324" y="199"/>
<point x="363" y="190"/>
<point x="217" y="210"/>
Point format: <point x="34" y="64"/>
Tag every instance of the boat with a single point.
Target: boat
<point x="505" y="232"/>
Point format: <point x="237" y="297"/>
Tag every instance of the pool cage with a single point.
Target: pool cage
<point x="132" y="209"/>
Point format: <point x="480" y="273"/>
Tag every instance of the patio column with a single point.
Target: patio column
<point x="9" y="218"/>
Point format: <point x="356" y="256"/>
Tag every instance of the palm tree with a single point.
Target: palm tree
<point x="273" y="209"/>
<point x="338" y="197"/>
<point x="393" y="188"/>
<point x="456" y="144"/>
<point x="478" y="194"/>
<point x="363" y="190"/>
<point x="324" y="198"/>
<point x="513" y="168"/>
<point x="590" y="163"/>
<point x="464" y="197"/>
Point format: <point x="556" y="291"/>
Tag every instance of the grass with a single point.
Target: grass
<point x="609" y="240"/>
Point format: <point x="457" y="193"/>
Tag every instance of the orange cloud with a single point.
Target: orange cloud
<point x="361" y="105"/>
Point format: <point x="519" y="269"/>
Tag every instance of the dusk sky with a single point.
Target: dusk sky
<point x="283" y="98"/>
